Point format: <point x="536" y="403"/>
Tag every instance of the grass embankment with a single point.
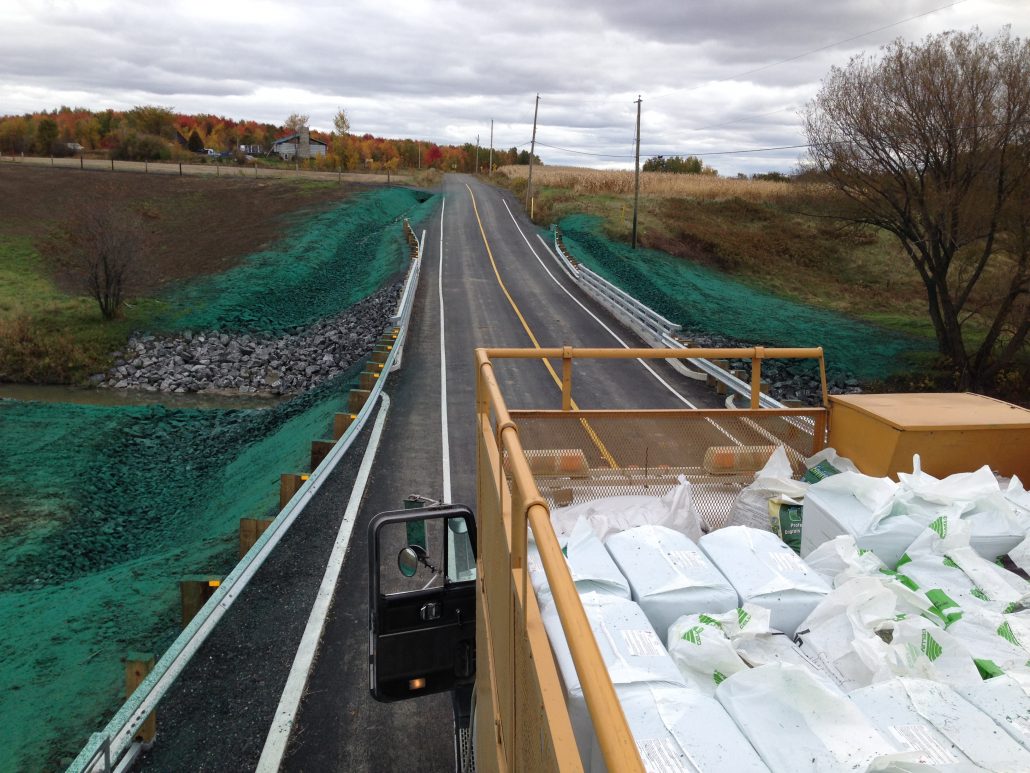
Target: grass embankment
<point x="775" y="236"/>
<point x="233" y="254"/>
<point x="49" y="336"/>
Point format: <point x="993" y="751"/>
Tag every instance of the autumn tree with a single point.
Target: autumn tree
<point x="931" y="143"/>
<point x="341" y="122"/>
<point x="296" y="122"/>
<point x="46" y="135"/>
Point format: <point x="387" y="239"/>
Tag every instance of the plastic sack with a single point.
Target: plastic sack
<point x="999" y="643"/>
<point x="798" y="722"/>
<point x="669" y="575"/>
<point x="629" y="647"/>
<point x="751" y="507"/>
<point x="701" y="647"/>
<point x="678" y="729"/>
<point x="764" y="571"/>
<point x="591" y="567"/>
<point x="841" y="559"/>
<point x="1006" y="700"/>
<point x="609" y="515"/>
<point x="863" y="633"/>
<point x="954" y="576"/>
<point x="944" y="730"/>
<point x="859" y="505"/>
<point x="825" y="463"/>
<point x="997" y="524"/>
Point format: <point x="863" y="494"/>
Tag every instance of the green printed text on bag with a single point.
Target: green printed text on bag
<point x="785" y="521"/>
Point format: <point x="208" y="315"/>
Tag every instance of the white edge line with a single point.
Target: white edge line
<point x="596" y="319"/>
<point x="445" y="440"/>
<point x="285" y="714"/>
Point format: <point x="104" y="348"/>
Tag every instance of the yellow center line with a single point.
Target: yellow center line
<point x="536" y="344"/>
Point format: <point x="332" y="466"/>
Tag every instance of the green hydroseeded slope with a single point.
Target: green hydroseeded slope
<point x="705" y="301"/>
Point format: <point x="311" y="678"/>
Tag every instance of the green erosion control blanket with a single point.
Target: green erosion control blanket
<point x="102" y="510"/>
<point x="705" y="301"/>
<point x="328" y="261"/>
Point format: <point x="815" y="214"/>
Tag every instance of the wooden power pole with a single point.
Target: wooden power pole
<point x="636" y="178"/>
<point x="477" y="155"/>
<point x="490" y="169"/>
<point x="532" y="152"/>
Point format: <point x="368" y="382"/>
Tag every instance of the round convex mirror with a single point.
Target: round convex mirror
<point x="407" y="561"/>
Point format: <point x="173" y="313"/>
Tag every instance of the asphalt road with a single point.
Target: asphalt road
<point x="217" y="717"/>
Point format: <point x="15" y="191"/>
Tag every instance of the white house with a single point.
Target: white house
<point x="299" y="145"/>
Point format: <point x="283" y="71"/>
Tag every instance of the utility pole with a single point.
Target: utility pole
<point x="490" y="170"/>
<point x="477" y="154"/>
<point x="420" y="156"/>
<point x="636" y="176"/>
<point x="532" y="152"/>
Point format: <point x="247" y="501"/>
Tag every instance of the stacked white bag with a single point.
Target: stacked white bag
<point x="590" y="565"/>
<point x="799" y="722"/>
<point x="764" y="571"/>
<point x="678" y="729"/>
<point x="669" y="575"/>
<point x="1006" y="700"/>
<point x="939" y="726"/>
<point x="631" y="650"/>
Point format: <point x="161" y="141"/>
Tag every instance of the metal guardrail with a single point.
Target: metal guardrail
<point x="649" y="324"/>
<point x="115" y="741"/>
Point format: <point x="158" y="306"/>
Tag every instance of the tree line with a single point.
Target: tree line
<point x="154" y="133"/>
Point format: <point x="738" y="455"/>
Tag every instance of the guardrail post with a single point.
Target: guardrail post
<point x="137" y="666"/>
<point x="724" y="364"/>
<point x="357" y="399"/>
<point x="320" y="450"/>
<point x="194" y="592"/>
<point x="289" y="484"/>
<point x="250" y="530"/>
<point x="340" y="423"/>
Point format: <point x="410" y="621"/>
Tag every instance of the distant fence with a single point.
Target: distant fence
<point x="232" y="170"/>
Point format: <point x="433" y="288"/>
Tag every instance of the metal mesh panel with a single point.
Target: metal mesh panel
<point x="579" y="456"/>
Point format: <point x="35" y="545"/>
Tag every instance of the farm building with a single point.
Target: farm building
<point x="299" y="145"/>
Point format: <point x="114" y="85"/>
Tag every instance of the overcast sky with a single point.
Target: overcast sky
<point x="709" y="71"/>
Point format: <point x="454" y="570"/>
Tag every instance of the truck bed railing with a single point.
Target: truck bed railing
<point x="533" y="460"/>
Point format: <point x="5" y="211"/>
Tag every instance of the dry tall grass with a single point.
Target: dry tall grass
<point x="593" y="182"/>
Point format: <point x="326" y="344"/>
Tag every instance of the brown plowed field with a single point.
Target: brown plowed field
<point x="196" y="225"/>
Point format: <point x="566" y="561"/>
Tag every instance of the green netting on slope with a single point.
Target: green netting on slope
<point x="704" y="301"/>
<point x="327" y="262"/>
<point x="129" y="500"/>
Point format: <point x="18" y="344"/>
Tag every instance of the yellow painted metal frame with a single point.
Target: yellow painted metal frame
<point x="522" y="720"/>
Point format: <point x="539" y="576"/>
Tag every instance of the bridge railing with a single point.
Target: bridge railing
<point x="655" y="329"/>
<point x="115" y="747"/>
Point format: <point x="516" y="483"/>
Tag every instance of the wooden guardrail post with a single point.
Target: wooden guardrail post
<point x="137" y="666"/>
<point x="357" y="399"/>
<point x="194" y="591"/>
<point x="320" y="450"/>
<point x="289" y="484"/>
<point x="250" y="530"/>
<point x="340" y="423"/>
<point x="724" y="364"/>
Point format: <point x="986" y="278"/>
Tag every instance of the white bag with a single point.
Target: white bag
<point x="629" y="646"/>
<point x="669" y="575"/>
<point x="944" y="730"/>
<point x="751" y="507"/>
<point x="681" y="730"/>
<point x="841" y="559"/>
<point x="702" y="647"/>
<point x="608" y="515"/>
<point x="798" y="722"/>
<point x="1006" y="700"/>
<point x="996" y="524"/>
<point x="764" y="571"/>
<point x="859" y="505"/>
<point x="998" y="643"/>
<point x="592" y="569"/>
<point x="863" y="633"/>
<point x="953" y="576"/>
<point x="825" y="463"/>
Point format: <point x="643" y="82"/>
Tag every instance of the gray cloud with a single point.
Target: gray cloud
<point x="442" y="70"/>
